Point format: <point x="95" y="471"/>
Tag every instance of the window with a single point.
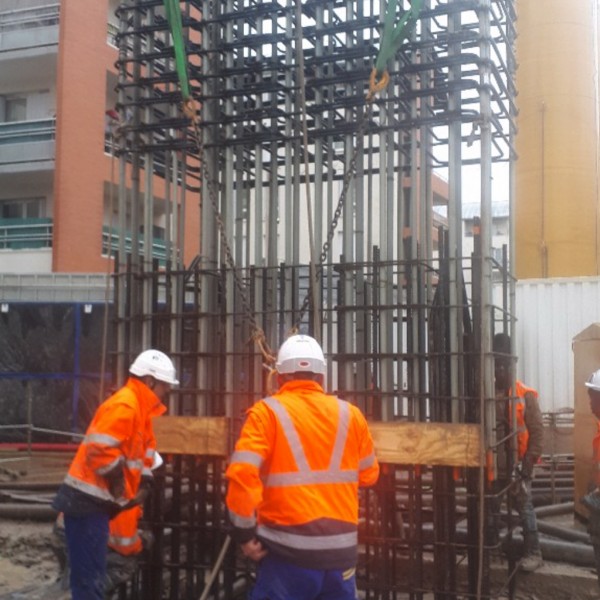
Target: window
<point x="498" y="255"/>
<point x="15" y="109"/>
<point x="24" y="208"/>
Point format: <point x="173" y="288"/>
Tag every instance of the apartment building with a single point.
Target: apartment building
<point x="58" y="175"/>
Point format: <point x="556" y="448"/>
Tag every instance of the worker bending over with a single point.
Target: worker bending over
<point x="293" y="482"/>
<point x="126" y="542"/>
<point x="521" y="407"/>
<point x="111" y="470"/>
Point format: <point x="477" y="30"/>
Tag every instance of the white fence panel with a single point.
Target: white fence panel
<point x="550" y="313"/>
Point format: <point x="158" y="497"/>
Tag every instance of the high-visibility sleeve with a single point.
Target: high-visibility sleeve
<point x="368" y="467"/>
<point x="105" y="436"/>
<point x="245" y="489"/>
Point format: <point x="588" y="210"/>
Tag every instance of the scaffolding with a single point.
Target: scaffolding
<point x="337" y="217"/>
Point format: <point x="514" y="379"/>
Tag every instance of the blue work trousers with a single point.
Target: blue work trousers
<point x="279" y="580"/>
<point x="524" y="506"/>
<point x="87" y="539"/>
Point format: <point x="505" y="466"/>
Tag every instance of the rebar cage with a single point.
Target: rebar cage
<point x="336" y="217"/>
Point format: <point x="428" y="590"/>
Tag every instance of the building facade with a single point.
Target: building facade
<point x="59" y="177"/>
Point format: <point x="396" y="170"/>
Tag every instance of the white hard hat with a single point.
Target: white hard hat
<point x="594" y="381"/>
<point x="300" y="353"/>
<point x="155" y="363"/>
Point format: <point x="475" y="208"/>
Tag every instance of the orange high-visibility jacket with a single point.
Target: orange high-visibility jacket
<point x="124" y="536"/>
<point x="120" y="434"/>
<point x="519" y="408"/>
<point x="295" y="474"/>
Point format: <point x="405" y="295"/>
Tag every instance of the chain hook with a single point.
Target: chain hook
<point x="377" y="83"/>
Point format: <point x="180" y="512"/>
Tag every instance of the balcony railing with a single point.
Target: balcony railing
<point x="111" y="34"/>
<point x="158" y="246"/>
<point x="21" y="234"/>
<point x="21" y="132"/>
<point x="26" y="18"/>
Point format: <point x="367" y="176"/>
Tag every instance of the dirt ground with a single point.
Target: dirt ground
<point x="26" y="556"/>
<point x="27" y="562"/>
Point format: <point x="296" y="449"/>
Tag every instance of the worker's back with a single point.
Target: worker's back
<point x="312" y="451"/>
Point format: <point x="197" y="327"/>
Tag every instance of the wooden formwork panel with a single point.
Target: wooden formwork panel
<point x="444" y="444"/>
<point x="205" y="436"/>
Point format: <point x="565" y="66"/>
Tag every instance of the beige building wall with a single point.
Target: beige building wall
<point x="556" y="201"/>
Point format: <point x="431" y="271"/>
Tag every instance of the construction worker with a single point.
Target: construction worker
<point x="293" y="482"/>
<point x="111" y="471"/>
<point x="125" y="544"/>
<point x="524" y="410"/>
<point x="592" y="500"/>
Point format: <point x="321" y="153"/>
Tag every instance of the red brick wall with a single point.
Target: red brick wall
<point x="81" y="165"/>
<point x="78" y="183"/>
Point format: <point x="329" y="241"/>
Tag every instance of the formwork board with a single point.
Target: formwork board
<point x="206" y="436"/>
<point x="439" y="444"/>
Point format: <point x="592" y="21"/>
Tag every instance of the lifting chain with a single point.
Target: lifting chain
<point x="392" y="38"/>
<point x="348" y="176"/>
<point x="376" y="85"/>
<point x="258" y="335"/>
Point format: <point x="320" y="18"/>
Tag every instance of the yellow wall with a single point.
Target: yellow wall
<point x="556" y="198"/>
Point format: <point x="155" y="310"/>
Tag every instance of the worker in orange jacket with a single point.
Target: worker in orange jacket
<point x="524" y="411"/>
<point x="110" y="470"/>
<point x="125" y="543"/>
<point x="124" y="534"/>
<point x="293" y="482"/>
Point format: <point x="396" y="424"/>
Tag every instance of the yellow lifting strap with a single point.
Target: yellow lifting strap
<point x="392" y="38"/>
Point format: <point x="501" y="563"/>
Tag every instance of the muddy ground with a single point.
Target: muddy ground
<point x="26" y="555"/>
<point x="28" y="562"/>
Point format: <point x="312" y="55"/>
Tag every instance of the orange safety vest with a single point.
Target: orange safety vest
<point x="518" y="406"/>
<point x="120" y="434"/>
<point x="295" y="474"/>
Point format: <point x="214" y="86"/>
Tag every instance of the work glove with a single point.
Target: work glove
<point x="147" y="539"/>
<point x="525" y="467"/>
<point x="143" y="492"/>
<point x="116" y="481"/>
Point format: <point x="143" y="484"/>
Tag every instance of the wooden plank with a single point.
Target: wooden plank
<point x="206" y="436"/>
<point x="446" y="444"/>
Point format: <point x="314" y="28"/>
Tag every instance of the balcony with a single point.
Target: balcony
<point x="23" y="234"/>
<point x="30" y="29"/>
<point x="159" y="251"/>
<point x="53" y="287"/>
<point x="111" y="34"/>
<point x="27" y="144"/>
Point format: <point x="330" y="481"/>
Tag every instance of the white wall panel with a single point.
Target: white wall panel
<point x="550" y="313"/>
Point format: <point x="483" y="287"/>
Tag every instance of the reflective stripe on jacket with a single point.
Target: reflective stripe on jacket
<point x="295" y="474"/>
<point x="124" y="536"/>
<point x="519" y="408"/>
<point x="120" y="434"/>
